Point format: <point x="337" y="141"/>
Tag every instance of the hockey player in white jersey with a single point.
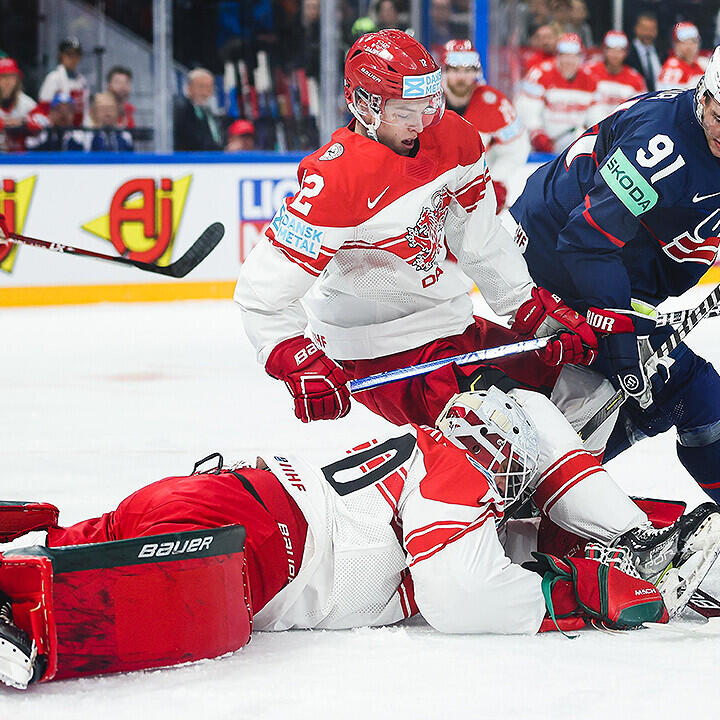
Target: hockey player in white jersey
<point x="375" y="256"/>
<point x="410" y="523"/>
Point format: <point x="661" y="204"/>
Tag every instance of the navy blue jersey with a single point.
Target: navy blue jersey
<point x="631" y="210"/>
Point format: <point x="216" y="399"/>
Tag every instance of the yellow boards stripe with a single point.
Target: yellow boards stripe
<point x="146" y="292"/>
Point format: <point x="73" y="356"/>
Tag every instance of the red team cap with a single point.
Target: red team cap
<point x="685" y="31"/>
<point x="8" y="66"/>
<point x="241" y="127"/>
<point x="615" y="39"/>
<point x="569" y="44"/>
<point x="461" y="53"/>
<point x="389" y="65"/>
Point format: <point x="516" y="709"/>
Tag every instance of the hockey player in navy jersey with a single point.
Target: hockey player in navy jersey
<point x="626" y="217"/>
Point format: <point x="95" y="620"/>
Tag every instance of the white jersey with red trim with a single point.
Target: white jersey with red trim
<point x="504" y="136"/>
<point x="388" y="247"/>
<point x="676" y="73"/>
<point x="550" y="103"/>
<point x="614" y="88"/>
<point x="76" y="86"/>
<point x="409" y="523"/>
<point x="25" y="109"/>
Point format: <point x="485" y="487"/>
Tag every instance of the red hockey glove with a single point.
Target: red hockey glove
<point x="500" y="194"/>
<point x="541" y="141"/>
<point x="546" y="314"/>
<point x="318" y="385"/>
<point x="621" y="348"/>
<point x="595" y="589"/>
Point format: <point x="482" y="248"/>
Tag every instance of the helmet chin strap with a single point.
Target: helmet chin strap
<point x="371" y="129"/>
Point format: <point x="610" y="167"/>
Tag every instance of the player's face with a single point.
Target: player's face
<point x="7" y="85"/>
<point x="460" y="80"/>
<point x="646" y="30"/>
<point x="614" y="58"/>
<point x="402" y="122"/>
<point x="711" y="124"/>
<point x="687" y="50"/>
<point x="568" y="65"/>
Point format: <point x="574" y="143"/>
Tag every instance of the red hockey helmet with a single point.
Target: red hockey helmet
<point x="391" y="65"/>
<point x="501" y="437"/>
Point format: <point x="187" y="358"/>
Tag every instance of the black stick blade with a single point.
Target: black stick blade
<point x="194" y="255"/>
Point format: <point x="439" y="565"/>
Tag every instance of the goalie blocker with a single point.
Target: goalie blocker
<point x="123" y="605"/>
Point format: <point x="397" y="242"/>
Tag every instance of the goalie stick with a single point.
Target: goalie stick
<point x="694" y="316"/>
<point x="704" y="604"/>
<point x="193" y="256"/>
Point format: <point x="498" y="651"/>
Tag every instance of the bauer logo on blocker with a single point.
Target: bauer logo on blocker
<point x="417" y="86"/>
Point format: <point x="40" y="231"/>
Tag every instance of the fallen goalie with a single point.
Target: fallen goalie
<point x="414" y="523"/>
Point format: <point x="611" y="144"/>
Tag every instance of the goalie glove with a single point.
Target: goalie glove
<point x="317" y="383"/>
<point x="598" y="587"/>
<point x="546" y="314"/>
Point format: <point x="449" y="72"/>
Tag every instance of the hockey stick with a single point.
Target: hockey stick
<point x="693" y="318"/>
<point x="194" y="255"/>
<point x="704" y="604"/>
<point x="678" y="317"/>
<point x="391" y="376"/>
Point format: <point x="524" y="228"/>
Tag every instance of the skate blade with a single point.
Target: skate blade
<point x="16" y="669"/>
<point x="678" y="584"/>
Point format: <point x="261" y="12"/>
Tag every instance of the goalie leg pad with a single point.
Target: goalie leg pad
<point x="19" y="518"/>
<point x="133" y="604"/>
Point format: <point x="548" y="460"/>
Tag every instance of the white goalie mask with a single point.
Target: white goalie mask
<point x="496" y="430"/>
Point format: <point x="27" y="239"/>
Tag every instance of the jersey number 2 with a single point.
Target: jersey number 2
<point x="311" y="186"/>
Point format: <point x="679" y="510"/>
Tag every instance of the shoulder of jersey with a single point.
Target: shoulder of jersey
<point x="456" y="134"/>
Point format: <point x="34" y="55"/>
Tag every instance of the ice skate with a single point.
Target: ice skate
<point x="17" y="651"/>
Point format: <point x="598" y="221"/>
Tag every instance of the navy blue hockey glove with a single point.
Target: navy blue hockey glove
<point x="619" y="344"/>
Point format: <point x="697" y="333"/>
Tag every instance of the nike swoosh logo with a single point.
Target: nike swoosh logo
<point x="700" y="198"/>
<point x="373" y="203"/>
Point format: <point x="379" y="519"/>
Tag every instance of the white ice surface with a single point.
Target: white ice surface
<point x="100" y="400"/>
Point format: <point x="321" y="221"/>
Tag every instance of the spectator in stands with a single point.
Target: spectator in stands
<point x="240" y="136"/>
<point x="66" y="79"/>
<point x="578" y="22"/>
<point x="103" y="133"/>
<point x="20" y="116"/>
<point x="387" y="15"/>
<point x="119" y="83"/>
<point x="544" y="46"/>
<point x="442" y="26"/>
<point x="59" y="130"/>
<point x="196" y="128"/>
<point x="556" y="98"/>
<point x="681" y="69"/>
<point x="311" y="37"/>
<point x="530" y="16"/>
<point x="488" y="111"/>
<point x="362" y="26"/>
<point x="616" y="81"/>
<point x="643" y="54"/>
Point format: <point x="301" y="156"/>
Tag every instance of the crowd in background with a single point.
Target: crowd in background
<point x="255" y="78"/>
